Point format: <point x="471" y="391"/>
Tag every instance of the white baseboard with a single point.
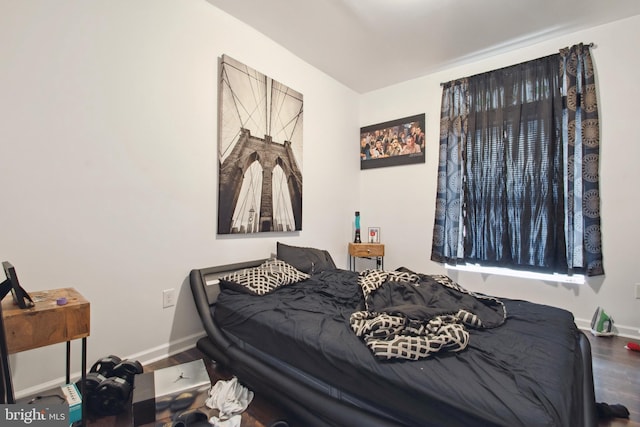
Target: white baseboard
<point x="163" y="351"/>
<point x="144" y="357"/>
<point x="620" y="330"/>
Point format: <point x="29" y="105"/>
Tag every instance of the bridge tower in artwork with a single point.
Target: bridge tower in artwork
<point x="268" y="154"/>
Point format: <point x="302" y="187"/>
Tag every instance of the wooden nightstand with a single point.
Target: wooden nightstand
<point x="366" y="250"/>
<point x="44" y="324"/>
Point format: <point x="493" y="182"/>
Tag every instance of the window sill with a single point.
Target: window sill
<point x="554" y="277"/>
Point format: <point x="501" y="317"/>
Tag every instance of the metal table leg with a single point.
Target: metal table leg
<point x="84" y="378"/>
<point x="83" y="375"/>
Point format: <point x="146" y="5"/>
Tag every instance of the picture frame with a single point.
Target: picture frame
<point x="20" y="297"/>
<point x="260" y="128"/>
<point x="373" y="236"/>
<point x="393" y="143"/>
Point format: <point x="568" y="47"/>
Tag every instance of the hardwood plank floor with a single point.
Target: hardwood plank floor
<point x="616" y="377"/>
<point x="616" y="373"/>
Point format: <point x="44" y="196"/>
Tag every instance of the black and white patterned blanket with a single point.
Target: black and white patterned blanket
<point x="412" y="316"/>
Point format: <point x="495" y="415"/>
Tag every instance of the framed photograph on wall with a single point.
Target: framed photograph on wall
<point x="259" y="152"/>
<point x="393" y="143"/>
<point x="374" y="235"/>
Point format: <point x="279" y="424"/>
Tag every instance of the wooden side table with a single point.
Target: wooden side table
<point x="44" y="324"/>
<point x="366" y="250"/>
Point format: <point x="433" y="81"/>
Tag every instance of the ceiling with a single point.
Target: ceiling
<point x="371" y="44"/>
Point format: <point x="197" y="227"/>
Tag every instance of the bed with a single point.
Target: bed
<point x="298" y="343"/>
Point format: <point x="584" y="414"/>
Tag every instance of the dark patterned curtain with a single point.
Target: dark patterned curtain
<point x="448" y="225"/>
<point x="581" y="140"/>
<point x="513" y="170"/>
<point x="517" y="177"/>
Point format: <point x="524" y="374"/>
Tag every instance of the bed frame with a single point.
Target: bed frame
<point x="308" y="399"/>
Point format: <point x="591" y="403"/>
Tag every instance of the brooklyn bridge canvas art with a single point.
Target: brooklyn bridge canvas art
<point x="259" y="152"/>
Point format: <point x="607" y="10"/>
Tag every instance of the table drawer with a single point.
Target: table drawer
<point x="366" y="249"/>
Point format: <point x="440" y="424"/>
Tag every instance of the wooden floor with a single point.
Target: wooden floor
<point x="616" y="373"/>
<point x="260" y="413"/>
<point x="616" y="377"/>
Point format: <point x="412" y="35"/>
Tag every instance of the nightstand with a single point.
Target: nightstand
<point x="366" y="250"/>
<point x="44" y="324"/>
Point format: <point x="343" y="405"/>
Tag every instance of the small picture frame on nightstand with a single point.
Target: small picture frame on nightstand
<point x="374" y="235"/>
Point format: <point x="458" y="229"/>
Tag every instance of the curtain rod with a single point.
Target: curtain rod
<point x="591" y="45"/>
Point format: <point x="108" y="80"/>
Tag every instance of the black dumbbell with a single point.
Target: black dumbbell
<point x="127" y="370"/>
<point x="105" y="365"/>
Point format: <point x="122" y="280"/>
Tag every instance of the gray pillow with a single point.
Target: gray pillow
<point x="308" y="260"/>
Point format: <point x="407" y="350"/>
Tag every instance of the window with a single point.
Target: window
<point x="518" y="171"/>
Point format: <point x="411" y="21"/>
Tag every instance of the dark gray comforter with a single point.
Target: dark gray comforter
<point x="524" y="373"/>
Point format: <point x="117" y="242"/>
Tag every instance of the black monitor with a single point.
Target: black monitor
<point x="20" y="296"/>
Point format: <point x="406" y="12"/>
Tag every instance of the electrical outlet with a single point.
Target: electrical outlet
<point x="168" y="298"/>
<point x="637" y="290"/>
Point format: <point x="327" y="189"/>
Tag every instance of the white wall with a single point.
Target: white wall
<point x="108" y="124"/>
<point x="401" y="199"/>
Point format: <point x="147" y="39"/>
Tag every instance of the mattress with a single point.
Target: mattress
<point x="527" y="372"/>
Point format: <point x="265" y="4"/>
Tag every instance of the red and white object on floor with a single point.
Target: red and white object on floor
<point x="633" y="346"/>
